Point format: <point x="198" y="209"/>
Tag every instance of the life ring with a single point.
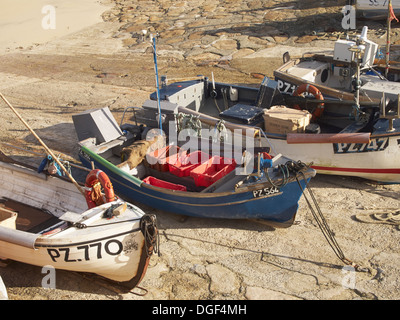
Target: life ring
<point x="94" y="177"/>
<point x="308" y="88"/>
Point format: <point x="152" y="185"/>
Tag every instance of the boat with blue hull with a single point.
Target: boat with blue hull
<point x="256" y="202"/>
<point x="269" y="192"/>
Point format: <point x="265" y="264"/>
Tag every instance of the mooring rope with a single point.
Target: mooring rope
<point x="326" y="230"/>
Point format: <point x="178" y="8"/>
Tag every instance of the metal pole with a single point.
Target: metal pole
<point x="388" y="38"/>
<point x="157" y="82"/>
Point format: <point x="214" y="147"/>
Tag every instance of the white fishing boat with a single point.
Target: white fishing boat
<point x="376" y="9"/>
<point x="351" y="95"/>
<point x="342" y="138"/>
<point x="45" y="221"/>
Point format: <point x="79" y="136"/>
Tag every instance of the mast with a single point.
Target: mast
<point x="389" y="20"/>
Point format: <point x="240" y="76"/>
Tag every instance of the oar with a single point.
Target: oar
<point x="44" y="145"/>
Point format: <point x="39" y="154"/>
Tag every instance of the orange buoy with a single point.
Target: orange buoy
<point x="94" y="178"/>
<point x="308" y="88"/>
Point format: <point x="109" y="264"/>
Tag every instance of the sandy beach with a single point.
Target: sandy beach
<point x="97" y="57"/>
<point x="32" y="22"/>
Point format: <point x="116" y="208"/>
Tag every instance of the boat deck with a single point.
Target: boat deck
<point x="29" y="219"/>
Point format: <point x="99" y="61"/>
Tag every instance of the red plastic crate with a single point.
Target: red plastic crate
<point x="211" y="171"/>
<point x="187" y="163"/>
<point x="163" y="184"/>
<point x="158" y="159"/>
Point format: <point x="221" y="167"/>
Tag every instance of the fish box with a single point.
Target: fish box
<point x="163" y="184"/>
<point x="8" y="218"/>
<point x="159" y="158"/>
<point x="187" y="163"/>
<point x="214" y="169"/>
<point x="280" y="119"/>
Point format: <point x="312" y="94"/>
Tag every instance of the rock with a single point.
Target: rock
<point x="196" y="35"/>
<point x="223" y="281"/>
<point x="204" y="57"/>
<point x="129" y="42"/>
<point x="280" y="38"/>
<point x="253" y="43"/>
<point x="306" y="39"/>
<point x="257" y="293"/>
<point x="242" y="53"/>
<point x="172" y="33"/>
<point x="226" y="44"/>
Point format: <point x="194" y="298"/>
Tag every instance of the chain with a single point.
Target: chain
<point x="326" y="230"/>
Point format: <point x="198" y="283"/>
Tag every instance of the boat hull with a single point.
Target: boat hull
<point x="275" y="205"/>
<point x="111" y="255"/>
<point x="377" y="160"/>
<point x="79" y="239"/>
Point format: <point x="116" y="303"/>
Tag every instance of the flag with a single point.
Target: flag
<point x="392" y="16"/>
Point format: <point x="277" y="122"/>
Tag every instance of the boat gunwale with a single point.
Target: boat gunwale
<point x="41" y="242"/>
<point x="309" y="174"/>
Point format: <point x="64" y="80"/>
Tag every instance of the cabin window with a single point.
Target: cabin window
<point x="324" y="75"/>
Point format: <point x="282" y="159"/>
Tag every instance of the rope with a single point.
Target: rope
<point x="188" y="121"/>
<point x="326" y="231"/>
<point x="285" y="176"/>
<point x="151" y="235"/>
<point x="97" y="195"/>
<point x="289" y="166"/>
<point x="390" y="218"/>
<point x="216" y="104"/>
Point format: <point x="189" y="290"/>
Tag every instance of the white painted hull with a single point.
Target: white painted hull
<point x="112" y="252"/>
<point x="381" y="163"/>
<point x="113" y="248"/>
<point x="375" y="5"/>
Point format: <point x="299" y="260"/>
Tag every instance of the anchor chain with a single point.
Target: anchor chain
<point x="326" y="230"/>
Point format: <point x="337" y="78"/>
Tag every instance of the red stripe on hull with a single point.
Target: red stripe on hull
<point x="359" y="170"/>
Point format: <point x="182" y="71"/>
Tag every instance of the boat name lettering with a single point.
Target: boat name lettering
<point x="377" y="144"/>
<point x="286" y="87"/>
<point x="377" y="3"/>
<point x="111" y="247"/>
<point x="265" y="192"/>
<point x="84" y="155"/>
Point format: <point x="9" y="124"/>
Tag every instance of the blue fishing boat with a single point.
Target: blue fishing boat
<point x="216" y="187"/>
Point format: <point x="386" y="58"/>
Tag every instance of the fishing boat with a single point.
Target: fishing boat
<point x="376" y="9"/>
<point x="343" y="140"/>
<point x="337" y="112"/>
<point x="45" y="221"/>
<point x="190" y="178"/>
<point x="352" y="95"/>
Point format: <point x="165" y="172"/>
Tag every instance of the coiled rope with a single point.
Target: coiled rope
<point x="151" y="234"/>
